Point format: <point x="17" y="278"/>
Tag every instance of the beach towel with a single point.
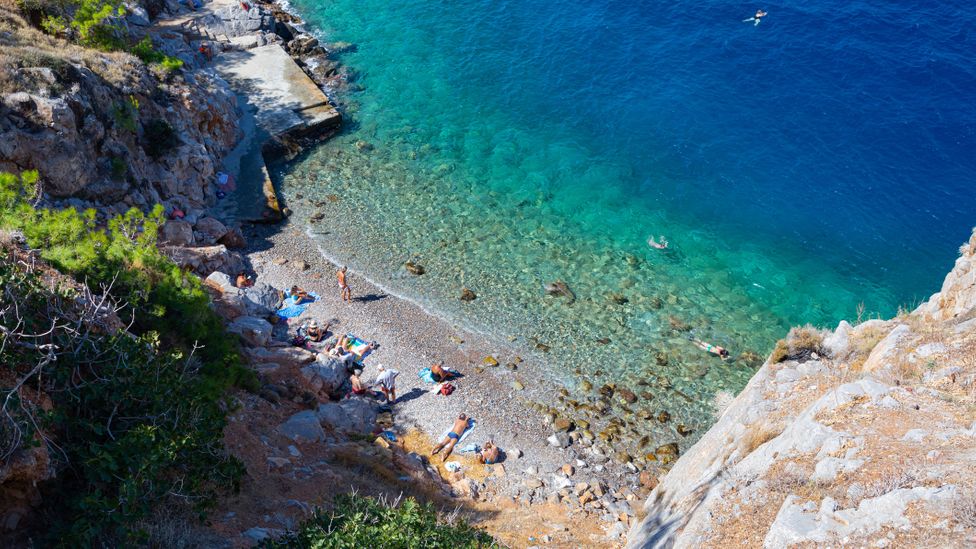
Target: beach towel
<point x="357" y="347"/>
<point x="426" y="376"/>
<point x="471" y="424"/>
<point x="226" y="182"/>
<point x="470" y="449"/>
<point x="289" y="308"/>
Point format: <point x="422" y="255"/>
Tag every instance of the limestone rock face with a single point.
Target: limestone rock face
<point x="90" y="138"/>
<point x="205" y="259"/>
<point x="303" y="427"/>
<point x="351" y="415"/>
<point x="844" y="449"/>
<point x="325" y="374"/>
<point x="176" y="232"/>
<point x="287" y="357"/>
<point x="208" y="231"/>
<point x="255" y="332"/>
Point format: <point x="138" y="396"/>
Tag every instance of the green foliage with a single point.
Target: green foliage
<point x="163" y="389"/>
<point x="171" y="64"/>
<point x="54" y="25"/>
<point x="158" y="138"/>
<point x="149" y="55"/>
<point x="125" y="114"/>
<point x="133" y="421"/>
<point x="365" y="522"/>
<point x="97" y="26"/>
<point x="119" y="168"/>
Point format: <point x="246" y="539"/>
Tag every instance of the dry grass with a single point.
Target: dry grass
<point x="22" y="46"/>
<point x="888" y="482"/>
<point x="964" y="510"/>
<point x="758" y="434"/>
<point x="862" y="341"/>
<point x="800" y="344"/>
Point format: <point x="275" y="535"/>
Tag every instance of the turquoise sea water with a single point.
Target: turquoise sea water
<point x="800" y="167"/>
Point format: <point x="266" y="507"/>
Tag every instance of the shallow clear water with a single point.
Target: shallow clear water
<point x="800" y="167"/>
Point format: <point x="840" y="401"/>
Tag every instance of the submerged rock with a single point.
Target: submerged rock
<point x="560" y="288"/>
<point x="468" y="295"/>
<point x="416" y="269"/>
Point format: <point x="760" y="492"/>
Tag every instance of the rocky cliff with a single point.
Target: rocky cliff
<point x="864" y="436"/>
<point x="105" y="130"/>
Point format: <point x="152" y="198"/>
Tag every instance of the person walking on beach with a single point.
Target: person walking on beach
<point x="756" y="18"/>
<point x="386" y="381"/>
<point x="714" y="349"/>
<point x="344" y="291"/>
<point x="453" y="436"/>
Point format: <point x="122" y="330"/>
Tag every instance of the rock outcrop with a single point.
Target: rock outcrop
<point x="869" y="444"/>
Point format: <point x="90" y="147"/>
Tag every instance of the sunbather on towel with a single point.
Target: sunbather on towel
<point x="489" y="454"/>
<point x="300" y="295"/>
<point x="439" y="373"/>
<point x="460" y="425"/>
<point x="386" y="380"/>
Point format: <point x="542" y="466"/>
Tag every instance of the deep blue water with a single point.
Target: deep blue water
<point x="821" y="159"/>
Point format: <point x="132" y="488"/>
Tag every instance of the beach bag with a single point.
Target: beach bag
<point x="447" y="389"/>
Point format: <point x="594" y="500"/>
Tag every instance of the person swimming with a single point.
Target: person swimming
<point x="756" y="18"/>
<point x="720" y="352"/>
<point x="660" y="243"/>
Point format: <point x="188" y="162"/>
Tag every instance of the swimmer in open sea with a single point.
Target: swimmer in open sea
<point x="660" y="244"/>
<point x="756" y="18"/>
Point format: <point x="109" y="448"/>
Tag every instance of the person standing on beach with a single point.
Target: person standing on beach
<point x="386" y="381"/>
<point x="344" y="291"/>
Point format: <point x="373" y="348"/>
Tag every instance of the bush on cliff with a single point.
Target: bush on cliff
<point x="164" y="298"/>
<point x="138" y="418"/>
<point x="130" y="425"/>
<point x="356" y="521"/>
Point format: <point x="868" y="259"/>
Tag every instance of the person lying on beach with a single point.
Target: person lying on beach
<point x="489" y="454"/>
<point x="756" y="18"/>
<point x="452" y="438"/>
<point x="345" y="293"/>
<point x="386" y="381"/>
<point x="660" y="244"/>
<point x="439" y="373"/>
<point x="714" y="349"/>
<point x="244" y="280"/>
<point x="300" y="295"/>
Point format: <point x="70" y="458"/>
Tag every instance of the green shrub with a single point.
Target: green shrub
<point x="365" y="522"/>
<point x="118" y="167"/>
<point x="165" y="388"/>
<point x="158" y="138"/>
<point x="132" y="421"/>
<point x="125" y="114"/>
<point x="97" y="26"/>
<point x="171" y="64"/>
<point x="149" y="55"/>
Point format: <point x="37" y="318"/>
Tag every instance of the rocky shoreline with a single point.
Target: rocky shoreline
<point x="551" y="460"/>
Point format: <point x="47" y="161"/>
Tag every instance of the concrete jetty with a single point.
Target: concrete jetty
<point x="287" y="101"/>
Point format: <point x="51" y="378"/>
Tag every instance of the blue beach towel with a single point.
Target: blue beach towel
<point x="289" y="308"/>
<point x="388" y="435"/>
<point x="426" y="375"/>
<point x="471" y="424"/>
